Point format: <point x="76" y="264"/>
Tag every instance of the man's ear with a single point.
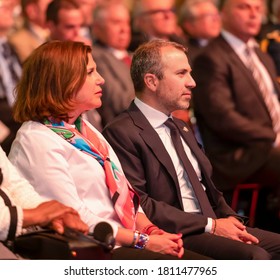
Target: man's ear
<point x="151" y="81"/>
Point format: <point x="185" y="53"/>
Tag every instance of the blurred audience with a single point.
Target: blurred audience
<point x="112" y="33"/>
<point x="154" y="19"/>
<point x="87" y="7"/>
<point x="64" y="19"/>
<point x="33" y="32"/>
<point x="10" y="71"/>
<point x="236" y="102"/>
<point x="271" y="18"/>
<point x="271" y="41"/>
<point x="200" y="20"/>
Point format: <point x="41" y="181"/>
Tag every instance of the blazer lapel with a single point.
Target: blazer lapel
<point x="238" y="64"/>
<point x="265" y="62"/>
<point x="151" y="138"/>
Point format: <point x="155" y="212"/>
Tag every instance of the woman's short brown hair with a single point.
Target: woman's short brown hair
<point x="52" y="75"/>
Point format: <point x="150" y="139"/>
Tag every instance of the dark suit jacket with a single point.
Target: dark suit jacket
<point x="118" y="89"/>
<point x="233" y="119"/>
<point x="149" y="168"/>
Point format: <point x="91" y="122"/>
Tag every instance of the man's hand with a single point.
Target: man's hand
<point x="54" y="214"/>
<point x="233" y="229"/>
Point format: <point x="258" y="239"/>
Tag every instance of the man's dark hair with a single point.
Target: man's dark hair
<point x="56" y="5"/>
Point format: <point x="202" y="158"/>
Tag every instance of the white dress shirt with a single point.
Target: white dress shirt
<point x="60" y="171"/>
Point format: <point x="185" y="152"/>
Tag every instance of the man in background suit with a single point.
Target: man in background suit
<point x="33" y="32"/>
<point x="176" y="195"/>
<point x="111" y="30"/>
<point x="236" y="124"/>
<point x="200" y="21"/>
<point x="10" y="72"/>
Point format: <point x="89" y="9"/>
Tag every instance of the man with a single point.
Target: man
<point x="28" y="208"/>
<point x="64" y="20"/>
<point x="200" y="20"/>
<point x="154" y="19"/>
<point x="111" y="30"/>
<point x="237" y="103"/>
<point x="176" y="194"/>
<point x="33" y="32"/>
<point x="10" y="72"/>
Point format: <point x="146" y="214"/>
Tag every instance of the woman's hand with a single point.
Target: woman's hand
<point x="166" y="243"/>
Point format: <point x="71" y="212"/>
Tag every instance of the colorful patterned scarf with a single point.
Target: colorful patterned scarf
<point x="124" y="198"/>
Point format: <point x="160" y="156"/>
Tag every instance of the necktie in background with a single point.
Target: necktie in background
<point x="201" y="196"/>
<point x="127" y="60"/>
<point x="271" y="102"/>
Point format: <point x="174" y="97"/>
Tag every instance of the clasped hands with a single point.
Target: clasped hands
<point x="232" y="228"/>
<point x="166" y="243"/>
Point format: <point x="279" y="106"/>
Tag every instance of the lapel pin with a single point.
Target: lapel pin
<point x="185" y="129"/>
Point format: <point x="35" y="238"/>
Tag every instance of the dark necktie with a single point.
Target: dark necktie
<point x="201" y="196"/>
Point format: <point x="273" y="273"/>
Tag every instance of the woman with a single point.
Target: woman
<point x="69" y="160"/>
<point x="27" y="208"/>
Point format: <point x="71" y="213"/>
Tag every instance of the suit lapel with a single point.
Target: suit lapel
<point x="238" y="64"/>
<point x="151" y="138"/>
<point x="265" y="62"/>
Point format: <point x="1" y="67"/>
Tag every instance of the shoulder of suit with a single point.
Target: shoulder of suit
<point x="271" y="38"/>
<point x="274" y="35"/>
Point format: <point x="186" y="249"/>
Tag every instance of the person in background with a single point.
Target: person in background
<point x="271" y="40"/>
<point x="163" y="161"/>
<point x="200" y="20"/>
<point x="78" y="167"/>
<point x="111" y="30"/>
<point x="236" y="103"/>
<point x="33" y="32"/>
<point x="87" y="7"/>
<point x="29" y="208"/>
<point x="64" y="18"/>
<point x="10" y="71"/>
<point x="154" y="19"/>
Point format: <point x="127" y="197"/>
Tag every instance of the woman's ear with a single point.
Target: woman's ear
<point x="151" y="81"/>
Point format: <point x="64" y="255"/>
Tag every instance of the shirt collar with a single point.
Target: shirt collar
<point x="119" y="54"/>
<point x="238" y="45"/>
<point x="155" y="117"/>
